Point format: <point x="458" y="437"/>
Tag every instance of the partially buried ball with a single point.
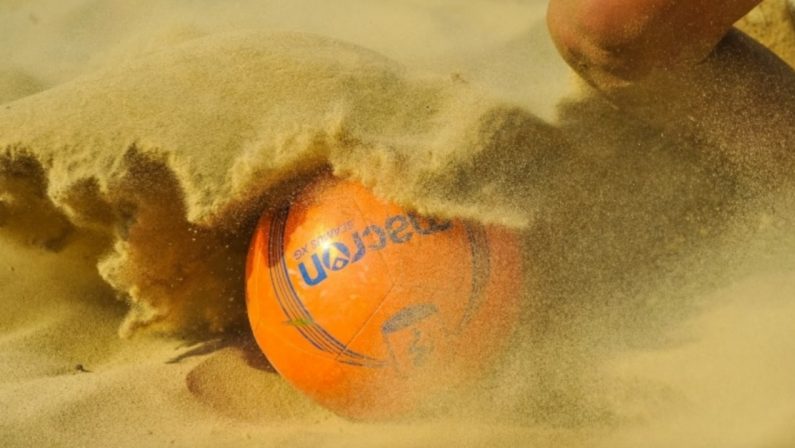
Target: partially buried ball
<point x="372" y="310"/>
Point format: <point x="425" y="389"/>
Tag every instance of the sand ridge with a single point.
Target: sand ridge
<point x="142" y="165"/>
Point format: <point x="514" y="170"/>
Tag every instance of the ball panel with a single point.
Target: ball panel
<point x="437" y="334"/>
<point x="347" y="389"/>
<point x="343" y="289"/>
<point x="488" y="332"/>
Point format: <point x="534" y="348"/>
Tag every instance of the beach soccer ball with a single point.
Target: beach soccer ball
<point x="371" y="309"/>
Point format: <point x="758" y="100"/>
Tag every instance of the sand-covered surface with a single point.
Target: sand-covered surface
<point x="139" y="142"/>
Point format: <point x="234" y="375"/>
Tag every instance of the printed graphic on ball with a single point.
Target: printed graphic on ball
<point x="356" y="253"/>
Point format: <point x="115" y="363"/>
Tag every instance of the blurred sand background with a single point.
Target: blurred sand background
<point x="140" y="141"/>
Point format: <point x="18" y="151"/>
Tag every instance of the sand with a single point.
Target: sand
<point x="139" y="144"/>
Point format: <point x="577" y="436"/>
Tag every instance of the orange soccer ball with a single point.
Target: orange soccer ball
<point x="371" y="309"/>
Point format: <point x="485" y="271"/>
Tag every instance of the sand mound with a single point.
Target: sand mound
<point x="171" y="157"/>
